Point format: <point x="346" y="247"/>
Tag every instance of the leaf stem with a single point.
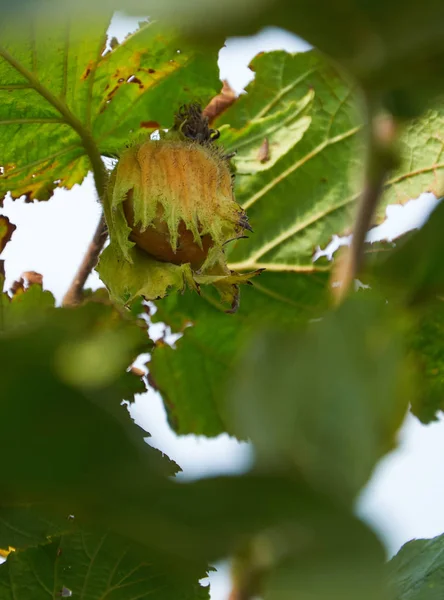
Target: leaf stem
<point x="380" y="161"/>
<point x="74" y="295"/>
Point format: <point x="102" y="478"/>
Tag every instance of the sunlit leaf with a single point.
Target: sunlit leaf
<point x="63" y="91"/>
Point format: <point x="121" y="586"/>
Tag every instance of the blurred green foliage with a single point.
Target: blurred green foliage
<point x="319" y="391"/>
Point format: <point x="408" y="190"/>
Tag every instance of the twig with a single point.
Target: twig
<point x="381" y="159"/>
<point x="74" y="295"/>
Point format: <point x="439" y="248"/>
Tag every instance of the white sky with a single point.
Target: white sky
<point x="404" y="499"/>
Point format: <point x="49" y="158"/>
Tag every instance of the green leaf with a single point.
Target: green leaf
<point x="302" y="197"/>
<point x="394" y="49"/>
<point x="6" y="230"/>
<point x="63" y="380"/>
<point x="296" y="201"/>
<point x="25" y="304"/>
<point x="426" y="347"/>
<point x="310" y="192"/>
<point x="193" y="376"/>
<point x="417" y="571"/>
<point x="25" y="526"/>
<point x="412" y="271"/>
<point x="411" y="276"/>
<point x="62" y="97"/>
<point x="328" y="401"/>
<point x="95" y="566"/>
<point x="216" y="517"/>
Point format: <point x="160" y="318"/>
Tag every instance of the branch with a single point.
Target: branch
<point x="74" y="295"/>
<point x="381" y="160"/>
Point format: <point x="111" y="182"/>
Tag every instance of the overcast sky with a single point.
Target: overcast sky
<point x="404" y="499"/>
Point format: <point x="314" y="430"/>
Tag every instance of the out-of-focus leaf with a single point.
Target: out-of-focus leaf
<point x="202" y="15"/>
<point x="417" y="571"/>
<point x="281" y="516"/>
<point x="25" y="526"/>
<point x="63" y="379"/>
<point x="95" y="566"/>
<point x="26" y="304"/>
<point x="61" y="92"/>
<point x="193" y="376"/>
<point x="413" y="270"/>
<point x="328" y="401"/>
<point x="427" y="351"/>
<point x="411" y="276"/>
<point x="393" y="48"/>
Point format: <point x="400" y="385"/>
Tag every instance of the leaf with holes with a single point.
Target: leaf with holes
<point x="65" y="98"/>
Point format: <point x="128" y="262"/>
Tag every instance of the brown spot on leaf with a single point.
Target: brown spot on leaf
<point x="220" y="102"/>
<point x="112" y="92"/>
<point x="18" y="287"/>
<point x="251" y="66"/>
<point x="149" y="124"/>
<point x="6" y="230"/>
<point x="87" y="71"/>
<point x="264" y="152"/>
<point x="151" y="71"/>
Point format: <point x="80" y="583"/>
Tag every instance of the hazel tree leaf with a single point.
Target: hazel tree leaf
<point x="63" y="380"/>
<point x="203" y="358"/>
<point x="298" y="202"/>
<point x="95" y="566"/>
<point x="416" y="572"/>
<point x="427" y="351"/>
<point x="217" y="517"/>
<point x="302" y="198"/>
<point x="310" y="192"/>
<point x="412" y="278"/>
<point x="63" y="95"/>
<point x="23" y="305"/>
<point x="333" y="429"/>
<point x="6" y="230"/>
<point x="393" y="49"/>
<point x="25" y="526"/>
